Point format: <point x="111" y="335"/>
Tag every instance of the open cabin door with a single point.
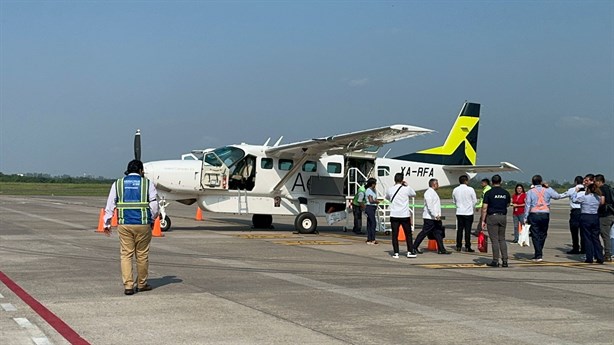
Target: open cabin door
<point x="359" y="166"/>
<point x="214" y="174"/>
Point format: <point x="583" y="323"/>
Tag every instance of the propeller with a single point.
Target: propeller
<point x="137" y="145"/>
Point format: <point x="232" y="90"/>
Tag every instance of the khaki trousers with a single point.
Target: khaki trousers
<point x="134" y="241"/>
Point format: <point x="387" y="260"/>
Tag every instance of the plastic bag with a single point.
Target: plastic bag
<point x="482" y="242"/>
<point x="523" y="235"/>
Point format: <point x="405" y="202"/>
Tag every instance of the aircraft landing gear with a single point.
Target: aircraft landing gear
<point x="262" y="221"/>
<point x="165" y="223"/>
<point x="306" y="223"/>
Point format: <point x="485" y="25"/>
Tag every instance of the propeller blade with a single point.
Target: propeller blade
<point x="137" y="145"/>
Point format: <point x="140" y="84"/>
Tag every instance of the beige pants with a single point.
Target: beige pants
<point x="134" y="241"/>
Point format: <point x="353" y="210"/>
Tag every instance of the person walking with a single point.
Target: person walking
<point x="577" y="240"/>
<point x="465" y="200"/>
<point x="494" y="218"/>
<point x="590" y="199"/>
<point x="537" y="214"/>
<point x="518" y="199"/>
<point x="606" y="215"/>
<point x="135" y="198"/>
<point x="432" y="219"/>
<point x="358" y="207"/>
<point x="371" y="209"/>
<point x="400" y="216"/>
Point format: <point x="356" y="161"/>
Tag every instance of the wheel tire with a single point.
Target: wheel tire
<point x="165" y="224"/>
<point x="262" y="221"/>
<point x="306" y="223"/>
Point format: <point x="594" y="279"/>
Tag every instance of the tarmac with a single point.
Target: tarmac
<point x="217" y="281"/>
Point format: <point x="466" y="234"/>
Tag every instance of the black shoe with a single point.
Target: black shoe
<point x="418" y="251"/>
<point x="493" y="264"/>
<point x="588" y="261"/>
<point x="608" y="258"/>
<point x="504" y="264"/>
<point x="444" y="252"/>
<point x="458" y="249"/>
<point x="144" y="288"/>
<point x="573" y="251"/>
<point x="469" y="250"/>
<point x="129" y="292"/>
<point x="600" y="262"/>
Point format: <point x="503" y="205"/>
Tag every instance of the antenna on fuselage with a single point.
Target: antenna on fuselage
<point x="267" y="142"/>
<point x="386" y="154"/>
<point x="278" y="141"/>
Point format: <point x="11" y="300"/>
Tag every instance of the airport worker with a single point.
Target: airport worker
<point x="518" y="199"/>
<point x="371" y="209"/>
<point x="135" y="198"/>
<point x="494" y="218"/>
<point x="537" y="213"/>
<point x="590" y="199"/>
<point x="358" y="207"/>
<point x="400" y="216"/>
<point x="606" y="215"/>
<point x="577" y="241"/>
<point x="432" y="219"/>
<point x="485" y="188"/>
<point x="465" y="199"/>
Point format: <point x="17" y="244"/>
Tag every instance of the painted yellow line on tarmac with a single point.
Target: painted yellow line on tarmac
<point x="582" y="265"/>
<point x="263" y="236"/>
<point x="309" y="243"/>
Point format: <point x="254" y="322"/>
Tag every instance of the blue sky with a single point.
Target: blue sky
<point x="78" y="78"/>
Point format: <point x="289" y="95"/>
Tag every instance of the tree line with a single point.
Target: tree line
<point x="46" y="178"/>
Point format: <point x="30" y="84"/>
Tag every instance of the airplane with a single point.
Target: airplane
<point x="311" y="178"/>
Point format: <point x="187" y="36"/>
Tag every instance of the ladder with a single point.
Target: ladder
<point x="242" y="200"/>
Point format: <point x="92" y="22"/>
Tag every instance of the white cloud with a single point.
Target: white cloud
<point x="358" y="82"/>
<point x="577" y="122"/>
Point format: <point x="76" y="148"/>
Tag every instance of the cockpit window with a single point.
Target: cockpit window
<point x="228" y="154"/>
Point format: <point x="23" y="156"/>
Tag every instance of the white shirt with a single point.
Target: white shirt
<point x="399" y="206"/>
<point x="432" y="205"/>
<point x="569" y="193"/>
<point x="465" y="200"/>
<point x="373" y="194"/>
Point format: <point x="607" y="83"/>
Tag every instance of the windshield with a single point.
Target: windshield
<point x="229" y="155"/>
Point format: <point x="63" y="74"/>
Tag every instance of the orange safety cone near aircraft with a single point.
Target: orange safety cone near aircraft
<point x="311" y="178"/>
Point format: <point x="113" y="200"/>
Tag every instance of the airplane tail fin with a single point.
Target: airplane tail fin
<point x="460" y="148"/>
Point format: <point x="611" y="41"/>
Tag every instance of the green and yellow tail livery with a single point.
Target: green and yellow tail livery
<point x="461" y="145"/>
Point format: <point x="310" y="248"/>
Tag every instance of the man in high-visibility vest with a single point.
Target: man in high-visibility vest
<point x="358" y="207"/>
<point x="135" y="198"/>
<point x="537" y="213"/>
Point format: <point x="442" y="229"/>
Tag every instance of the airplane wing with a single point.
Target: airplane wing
<point x="354" y="141"/>
<point x="503" y="166"/>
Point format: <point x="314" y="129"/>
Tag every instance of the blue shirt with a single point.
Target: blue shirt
<point x="532" y="198"/>
<point x="589" y="204"/>
<point x="370" y="192"/>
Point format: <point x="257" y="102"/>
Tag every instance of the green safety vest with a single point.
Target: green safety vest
<point x="357" y="202"/>
<point x="132" y="200"/>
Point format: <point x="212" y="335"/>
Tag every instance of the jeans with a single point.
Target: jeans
<point x="463" y="223"/>
<point x="357" y="211"/>
<point x="370" y="211"/>
<point x="519" y="219"/>
<point x="590" y="230"/>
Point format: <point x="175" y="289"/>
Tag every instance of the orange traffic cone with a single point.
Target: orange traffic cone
<point x="432" y="245"/>
<point x="157" y="231"/>
<point x="199" y="214"/>
<point x="401" y="235"/>
<point x="101" y="221"/>
<point x="114" y="219"/>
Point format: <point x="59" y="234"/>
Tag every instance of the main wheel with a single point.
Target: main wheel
<point x="262" y="221"/>
<point x="306" y="223"/>
<point x="165" y="224"/>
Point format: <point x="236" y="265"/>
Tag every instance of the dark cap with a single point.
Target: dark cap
<point x="135" y="166"/>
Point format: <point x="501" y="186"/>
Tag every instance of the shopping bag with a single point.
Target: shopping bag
<point x="482" y="242"/>
<point x="523" y="235"/>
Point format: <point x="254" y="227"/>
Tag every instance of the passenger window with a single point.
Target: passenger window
<point x="285" y="164"/>
<point x="266" y="163"/>
<point x="383" y="171"/>
<point x="310" y="166"/>
<point x="334" y="168"/>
